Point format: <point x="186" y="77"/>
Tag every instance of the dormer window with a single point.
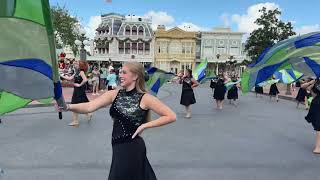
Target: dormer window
<point x="141" y="31"/>
<point x="134" y="30"/>
<point x="128" y="30"/>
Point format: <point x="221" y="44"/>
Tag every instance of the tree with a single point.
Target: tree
<point x="66" y="28"/>
<point x="270" y="31"/>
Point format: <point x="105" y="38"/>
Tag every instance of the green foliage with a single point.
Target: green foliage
<point x="270" y="31"/>
<point x="65" y="27"/>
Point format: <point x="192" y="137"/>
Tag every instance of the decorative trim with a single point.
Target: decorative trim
<point x="102" y="43"/>
<point x="134" y="40"/>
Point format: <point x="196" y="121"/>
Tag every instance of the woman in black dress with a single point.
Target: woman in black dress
<point x="79" y="94"/>
<point x="233" y="92"/>
<point x="130" y="112"/>
<point x="259" y="90"/>
<point x="274" y="91"/>
<point x="219" y="93"/>
<point x="313" y="115"/>
<point x="187" y="95"/>
<point x="302" y="96"/>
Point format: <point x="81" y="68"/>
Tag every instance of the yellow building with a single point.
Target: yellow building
<point x="174" y="49"/>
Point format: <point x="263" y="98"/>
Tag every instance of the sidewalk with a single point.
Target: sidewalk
<point x="283" y="89"/>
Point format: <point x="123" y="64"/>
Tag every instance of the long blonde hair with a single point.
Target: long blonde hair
<point x="138" y="69"/>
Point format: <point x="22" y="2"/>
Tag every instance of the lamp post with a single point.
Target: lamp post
<point x="230" y="64"/>
<point x="82" y="42"/>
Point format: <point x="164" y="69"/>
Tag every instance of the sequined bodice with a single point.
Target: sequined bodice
<point x="186" y="84"/>
<point x="77" y="77"/>
<point x="127" y="115"/>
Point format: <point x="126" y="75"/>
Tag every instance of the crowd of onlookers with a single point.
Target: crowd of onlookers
<point x="101" y="77"/>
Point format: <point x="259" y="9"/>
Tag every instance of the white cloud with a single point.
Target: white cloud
<point x="188" y="26"/>
<point x="160" y="18"/>
<point x="92" y="26"/>
<point x="245" y="22"/>
<point x="307" y="29"/>
<point x="225" y="19"/>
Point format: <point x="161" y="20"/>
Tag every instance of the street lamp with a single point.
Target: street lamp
<point x="231" y="64"/>
<point x="82" y="42"/>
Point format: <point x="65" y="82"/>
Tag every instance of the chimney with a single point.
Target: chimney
<point x="161" y="28"/>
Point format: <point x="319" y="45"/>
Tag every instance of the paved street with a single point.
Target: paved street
<point x="260" y="140"/>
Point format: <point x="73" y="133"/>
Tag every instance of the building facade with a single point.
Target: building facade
<point x="123" y="38"/>
<point x="224" y="50"/>
<point x="174" y="49"/>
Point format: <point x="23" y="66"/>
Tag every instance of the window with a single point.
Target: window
<point x="128" y="30"/>
<point x="147" y="48"/>
<point x="221" y="50"/>
<point x="175" y="47"/>
<point x="103" y="50"/>
<point x="121" y="47"/>
<point x="159" y="47"/>
<point x="187" y="48"/>
<point x="234" y="51"/>
<point x="134" y="30"/>
<point x="140" y="48"/>
<point x="141" y="31"/>
<point x="99" y="50"/>
<point x="107" y="48"/>
<point x="127" y="46"/>
<point x="183" y="48"/>
<point x="134" y="48"/>
<point x="164" y="47"/>
<point x="234" y="42"/>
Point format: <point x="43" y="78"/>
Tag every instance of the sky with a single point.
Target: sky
<point x="197" y="15"/>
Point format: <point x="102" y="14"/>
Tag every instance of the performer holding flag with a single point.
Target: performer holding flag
<point x="28" y="64"/>
<point x="187" y="95"/>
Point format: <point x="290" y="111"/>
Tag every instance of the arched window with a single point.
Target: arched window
<point x="141" y="31"/>
<point x="128" y="30"/>
<point x="134" y="30"/>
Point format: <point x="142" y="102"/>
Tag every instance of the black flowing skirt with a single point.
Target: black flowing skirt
<point x="233" y="93"/>
<point x="273" y="90"/>
<point x="129" y="161"/>
<point x="258" y="90"/>
<point x="187" y="97"/>
<point x="79" y="95"/>
<point x="219" y="93"/>
<point x="302" y="93"/>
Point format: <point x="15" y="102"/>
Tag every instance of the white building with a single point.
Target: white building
<point x="123" y="38"/>
<point x="223" y="49"/>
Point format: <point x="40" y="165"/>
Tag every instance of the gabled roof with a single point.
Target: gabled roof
<point x="175" y="32"/>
